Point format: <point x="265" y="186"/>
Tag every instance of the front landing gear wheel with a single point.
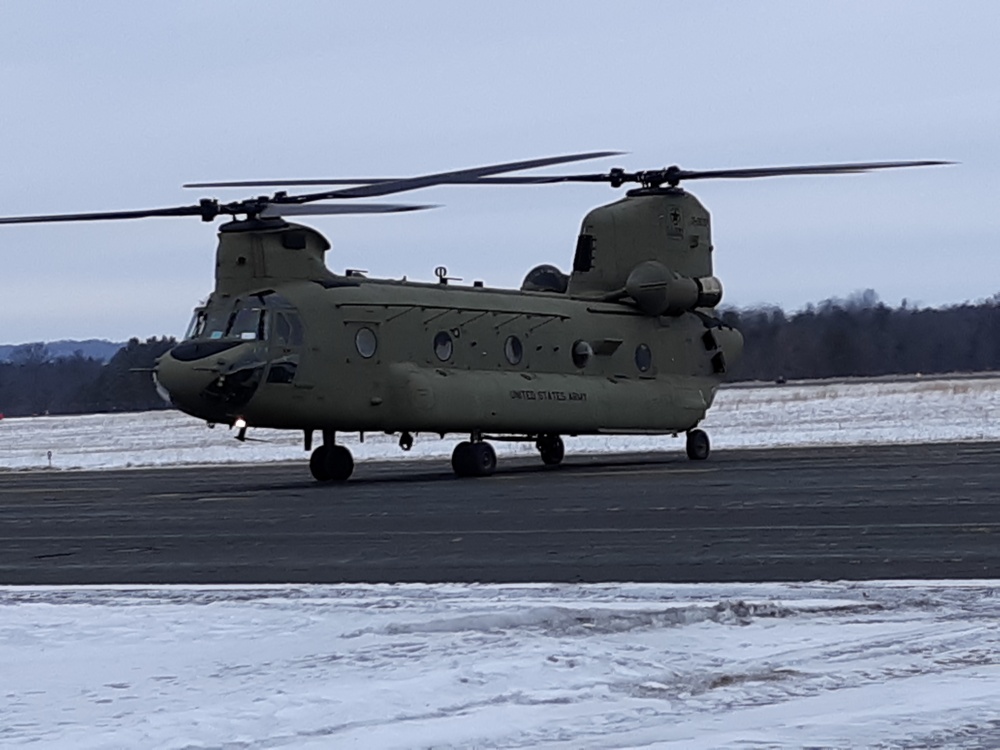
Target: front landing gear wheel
<point x="698" y="446"/>
<point x="551" y="449"/>
<point x="473" y="459"/>
<point x="331" y="463"/>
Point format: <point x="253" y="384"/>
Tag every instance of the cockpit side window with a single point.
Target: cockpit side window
<point x="281" y="330"/>
<point x="287" y="329"/>
<point x="196" y="327"/>
<point x="296" y="338"/>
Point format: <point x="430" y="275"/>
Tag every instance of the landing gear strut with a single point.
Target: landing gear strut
<point x="551" y="449"/>
<point x="698" y="446"/>
<point x="331" y="462"/>
<point x="473" y="459"/>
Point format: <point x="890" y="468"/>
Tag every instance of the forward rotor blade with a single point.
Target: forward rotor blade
<point x="106" y="215"/>
<point x="209" y="209"/>
<point x="440" y="178"/>
<point x="273" y="211"/>
<point x="528" y="180"/>
<point x="292" y="183"/>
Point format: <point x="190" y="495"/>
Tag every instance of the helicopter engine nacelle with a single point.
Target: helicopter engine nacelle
<point x="659" y="291"/>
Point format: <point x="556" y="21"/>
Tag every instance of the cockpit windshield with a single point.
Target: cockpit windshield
<point x="247" y="323"/>
<point x="259" y="318"/>
<point x="208" y="323"/>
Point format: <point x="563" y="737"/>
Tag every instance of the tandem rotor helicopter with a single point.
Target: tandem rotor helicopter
<point x="627" y="343"/>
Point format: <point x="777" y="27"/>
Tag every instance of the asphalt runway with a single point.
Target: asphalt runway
<point x="926" y="511"/>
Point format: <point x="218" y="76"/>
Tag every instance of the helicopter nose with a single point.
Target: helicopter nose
<point x="211" y="380"/>
<point x="181" y="382"/>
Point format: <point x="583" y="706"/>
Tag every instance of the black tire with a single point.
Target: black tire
<point x="340" y="463"/>
<point x="461" y="459"/>
<point x="331" y="463"/>
<point x="698" y="445"/>
<point x="473" y="459"/>
<point x="484" y="458"/>
<point x="551" y="449"/>
<point x="318" y="465"/>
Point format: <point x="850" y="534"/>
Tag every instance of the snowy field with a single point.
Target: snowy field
<point x="912" y="664"/>
<point x="743" y="417"/>
<point x="889" y="665"/>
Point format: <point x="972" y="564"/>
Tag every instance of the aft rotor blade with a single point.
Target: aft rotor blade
<point x="273" y="211"/>
<point x="616" y="177"/>
<point x="198" y="210"/>
<point x="685" y="174"/>
<point x="441" y="178"/>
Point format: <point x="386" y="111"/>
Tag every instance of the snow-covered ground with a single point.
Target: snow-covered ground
<point x="924" y="410"/>
<point x="873" y="664"/>
<point x="900" y="665"/>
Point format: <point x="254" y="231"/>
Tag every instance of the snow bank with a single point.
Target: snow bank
<point x="746" y="417"/>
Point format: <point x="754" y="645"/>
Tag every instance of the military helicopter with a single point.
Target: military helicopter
<point x="627" y="343"/>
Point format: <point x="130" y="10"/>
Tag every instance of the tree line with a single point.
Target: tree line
<point x="859" y="336"/>
<point x="33" y="382"/>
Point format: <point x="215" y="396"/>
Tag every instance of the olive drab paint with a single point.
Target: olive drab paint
<point x="632" y="346"/>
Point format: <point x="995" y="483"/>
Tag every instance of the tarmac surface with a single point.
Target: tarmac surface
<point x="918" y="511"/>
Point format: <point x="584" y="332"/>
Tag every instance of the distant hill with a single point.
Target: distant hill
<point x="92" y="348"/>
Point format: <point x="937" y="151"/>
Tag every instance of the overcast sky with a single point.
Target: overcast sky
<point x="113" y="105"/>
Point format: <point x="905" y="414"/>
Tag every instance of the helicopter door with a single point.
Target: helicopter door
<point x="284" y="347"/>
<point x="364" y="355"/>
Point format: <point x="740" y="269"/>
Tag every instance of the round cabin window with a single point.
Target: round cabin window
<point x="582" y="353"/>
<point x="513" y="350"/>
<point x="443" y="346"/>
<point x="643" y="358"/>
<point x="366" y="342"/>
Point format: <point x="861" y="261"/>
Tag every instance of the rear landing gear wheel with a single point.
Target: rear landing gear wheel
<point x="461" y="459"/>
<point x="698" y="446"/>
<point x="551" y="449"/>
<point x="331" y="463"/>
<point x="473" y="459"/>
